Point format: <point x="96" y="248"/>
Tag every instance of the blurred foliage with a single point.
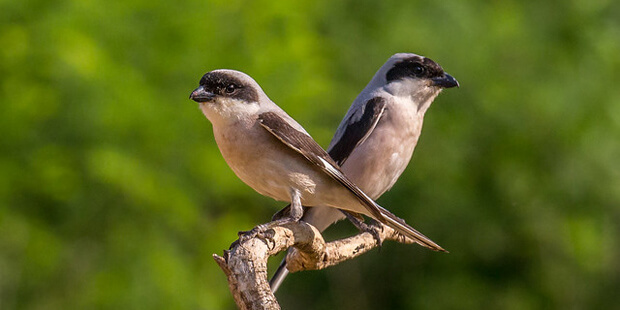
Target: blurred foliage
<point x="113" y="193"/>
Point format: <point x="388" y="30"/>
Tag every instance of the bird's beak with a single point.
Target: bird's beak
<point x="201" y="95"/>
<point x="445" y="81"/>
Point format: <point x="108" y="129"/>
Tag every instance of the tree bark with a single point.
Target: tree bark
<point x="245" y="263"/>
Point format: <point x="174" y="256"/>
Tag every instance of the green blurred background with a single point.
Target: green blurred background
<point x="113" y="194"/>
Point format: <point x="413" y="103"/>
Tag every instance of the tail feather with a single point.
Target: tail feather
<point x="388" y="218"/>
<point x="403" y="228"/>
<point x="279" y="276"/>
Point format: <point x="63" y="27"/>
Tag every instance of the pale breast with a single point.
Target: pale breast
<point x="264" y="163"/>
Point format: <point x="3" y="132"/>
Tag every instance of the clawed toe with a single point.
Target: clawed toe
<point x="260" y="231"/>
<point x="263" y="231"/>
<point x="374" y="228"/>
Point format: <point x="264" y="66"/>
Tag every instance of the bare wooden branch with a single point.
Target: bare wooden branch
<point x="338" y="251"/>
<point x="245" y="263"/>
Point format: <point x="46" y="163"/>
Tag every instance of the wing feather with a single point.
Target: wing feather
<point x="312" y="151"/>
<point x="357" y="130"/>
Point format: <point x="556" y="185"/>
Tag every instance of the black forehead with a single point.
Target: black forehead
<point x="213" y="80"/>
<point x="405" y="68"/>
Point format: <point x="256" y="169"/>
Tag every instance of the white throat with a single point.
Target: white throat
<point x="420" y="92"/>
<point x="226" y="110"/>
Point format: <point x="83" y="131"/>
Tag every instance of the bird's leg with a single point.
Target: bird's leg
<point x="295" y="212"/>
<point x="358" y="221"/>
<point x="282" y="213"/>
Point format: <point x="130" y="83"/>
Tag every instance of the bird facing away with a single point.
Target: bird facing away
<point x="273" y="154"/>
<point x="375" y="140"/>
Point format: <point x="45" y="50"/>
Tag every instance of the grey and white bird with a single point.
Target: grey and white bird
<point x="375" y="140"/>
<point x="273" y="154"/>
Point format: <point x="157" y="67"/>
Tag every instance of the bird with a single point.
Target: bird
<point x="273" y="154"/>
<point x="376" y="138"/>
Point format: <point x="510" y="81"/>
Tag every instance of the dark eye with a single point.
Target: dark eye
<point x="418" y="69"/>
<point x="230" y="88"/>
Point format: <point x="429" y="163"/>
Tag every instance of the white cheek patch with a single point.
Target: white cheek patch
<point x="228" y="108"/>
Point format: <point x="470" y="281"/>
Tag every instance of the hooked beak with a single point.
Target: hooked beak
<point x="201" y="95"/>
<point x="446" y="81"/>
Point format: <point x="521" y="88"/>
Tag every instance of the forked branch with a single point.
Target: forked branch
<point x="245" y="263"/>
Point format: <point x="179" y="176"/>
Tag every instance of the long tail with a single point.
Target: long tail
<point x="391" y="220"/>
<point x="376" y="211"/>
<point x="279" y="276"/>
<point x="403" y="228"/>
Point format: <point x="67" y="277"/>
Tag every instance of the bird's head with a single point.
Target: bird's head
<point x="418" y="77"/>
<point x="227" y="93"/>
<point x="405" y="66"/>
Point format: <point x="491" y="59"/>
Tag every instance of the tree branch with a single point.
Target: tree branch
<point x="245" y="263"/>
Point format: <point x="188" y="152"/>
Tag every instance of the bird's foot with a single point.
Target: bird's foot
<point x="374" y="228"/>
<point x="261" y="231"/>
<point x="264" y="231"/>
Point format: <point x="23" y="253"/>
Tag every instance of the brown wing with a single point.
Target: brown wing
<point x="306" y="146"/>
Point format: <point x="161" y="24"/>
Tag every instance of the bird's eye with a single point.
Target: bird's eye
<point x="230" y="88"/>
<point x="418" y="70"/>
